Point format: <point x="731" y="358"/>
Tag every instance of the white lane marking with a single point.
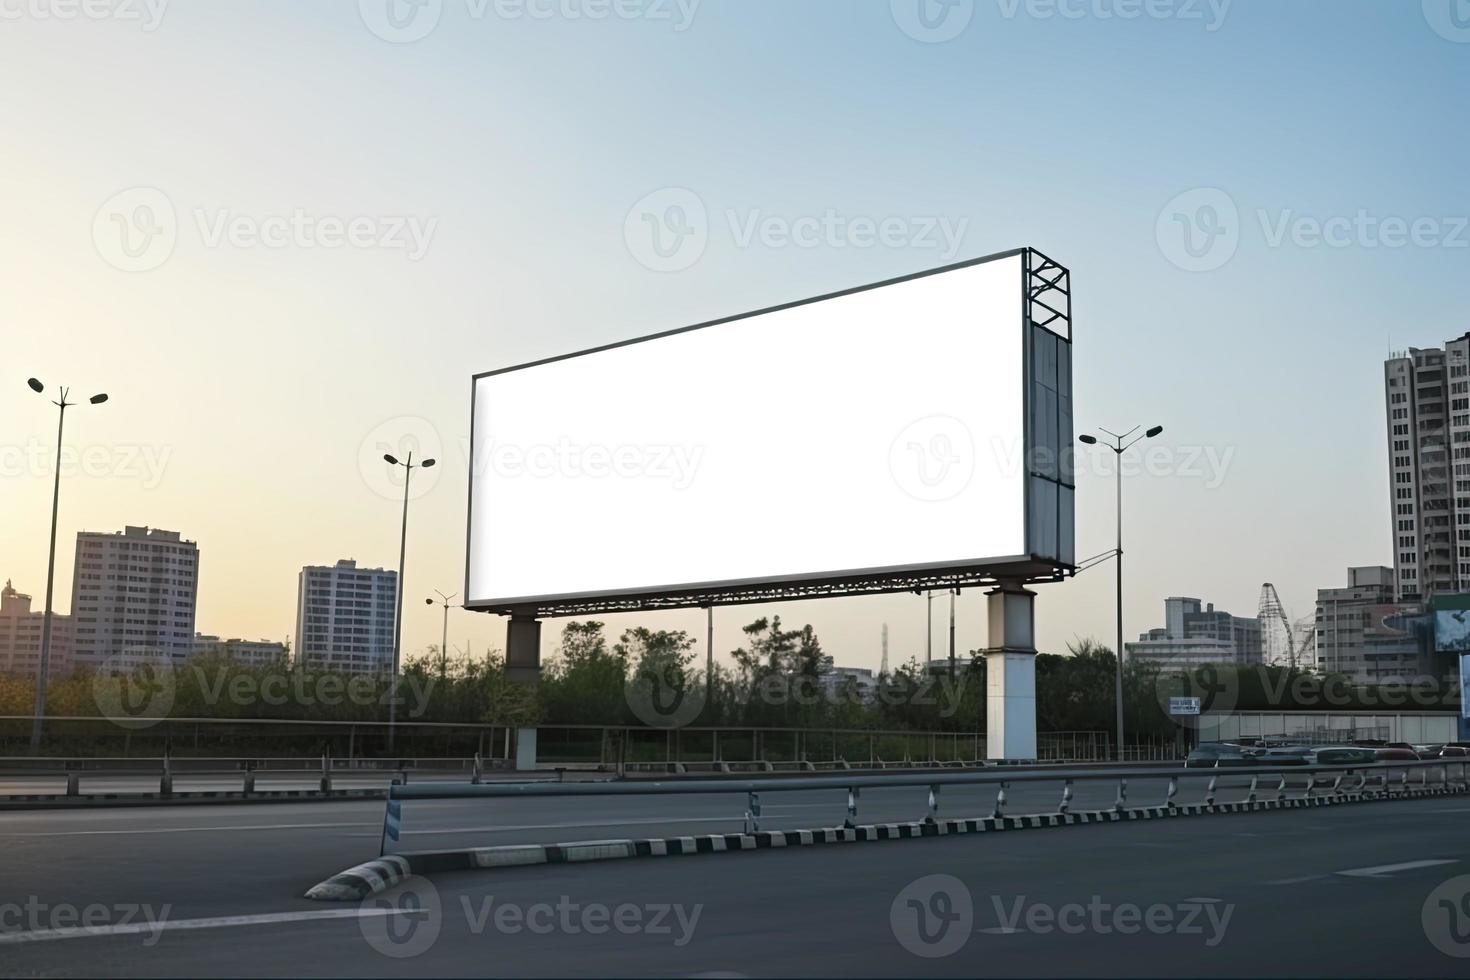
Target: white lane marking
<point x="1454" y="809"/>
<point x="1295" y="881"/>
<point x="1384" y="870"/>
<point x="179" y="830"/>
<point x="218" y="922"/>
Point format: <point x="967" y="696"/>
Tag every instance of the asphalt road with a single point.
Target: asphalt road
<point x="1259" y="893"/>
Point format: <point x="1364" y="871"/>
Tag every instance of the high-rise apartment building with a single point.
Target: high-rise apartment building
<point x="1427" y="400"/>
<point x="20" y="636"/>
<point x="133" y="596"/>
<point x="344" y="617"/>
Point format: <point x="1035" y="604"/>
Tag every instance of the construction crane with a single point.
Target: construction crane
<point x="1282" y="644"/>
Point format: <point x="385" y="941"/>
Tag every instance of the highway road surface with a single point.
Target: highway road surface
<point x="1343" y="891"/>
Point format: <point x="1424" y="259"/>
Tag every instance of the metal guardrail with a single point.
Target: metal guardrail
<point x="248" y="769"/>
<point x="853" y="785"/>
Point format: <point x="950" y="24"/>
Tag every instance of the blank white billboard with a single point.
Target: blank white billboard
<point x="876" y="430"/>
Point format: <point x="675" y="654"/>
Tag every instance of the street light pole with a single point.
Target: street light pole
<point x="408" y="466"/>
<point x="444" y="640"/>
<point x="1121" y="443"/>
<point x="952" y="594"/>
<point x="43" y="669"/>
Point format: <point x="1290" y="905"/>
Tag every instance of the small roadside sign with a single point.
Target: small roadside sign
<point x="1184" y="706"/>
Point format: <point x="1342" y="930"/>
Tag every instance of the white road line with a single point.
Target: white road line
<point x="219" y="922"/>
<point x="1295" y="881"/>
<point x="179" y="830"/>
<point x="1384" y="870"/>
<point x="670" y="821"/>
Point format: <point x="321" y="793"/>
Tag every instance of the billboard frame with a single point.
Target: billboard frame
<point x="1046" y="305"/>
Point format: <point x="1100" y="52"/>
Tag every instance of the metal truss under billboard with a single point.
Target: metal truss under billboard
<point x="910" y="434"/>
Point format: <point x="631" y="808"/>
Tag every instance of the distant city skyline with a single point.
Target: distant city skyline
<point x="267" y="329"/>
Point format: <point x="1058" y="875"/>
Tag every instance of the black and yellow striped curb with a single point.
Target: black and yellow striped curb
<point x="367" y="879"/>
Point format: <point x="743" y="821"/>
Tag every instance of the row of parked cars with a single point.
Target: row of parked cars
<point x="1278" y="752"/>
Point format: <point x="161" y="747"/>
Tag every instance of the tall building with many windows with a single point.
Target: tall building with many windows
<point x="1363" y="634"/>
<point x="1427" y="396"/>
<point x="133" y="596"/>
<point x="1197" y="633"/>
<point x="344" y="617"/>
<point x="20" y="636"/>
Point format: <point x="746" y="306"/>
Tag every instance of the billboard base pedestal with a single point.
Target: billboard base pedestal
<point x="1010" y="673"/>
<point x="523" y="648"/>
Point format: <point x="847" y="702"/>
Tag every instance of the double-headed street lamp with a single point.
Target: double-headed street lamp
<point x="1119" y="444"/>
<point x="444" y="643"/>
<point x="45" y="666"/>
<point x="408" y="468"/>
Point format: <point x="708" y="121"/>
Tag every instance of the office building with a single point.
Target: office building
<point x="20" y="636"/>
<point x="1197" y="633"/>
<point x="247" y="653"/>
<point x="133" y="596"/>
<point x="344" y="617"/>
<point x="1364" y="634"/>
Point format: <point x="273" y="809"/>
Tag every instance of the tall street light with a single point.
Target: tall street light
<point x="408" y="467"/>
<point x="1119" y="444"/>
<point x="45" y="666"/>
<point x="444" y="643"/>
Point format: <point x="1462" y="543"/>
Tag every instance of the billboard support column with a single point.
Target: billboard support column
<point x="523" y="647"/>
<point x="1010" y="672"/>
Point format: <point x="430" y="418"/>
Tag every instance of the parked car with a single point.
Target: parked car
<point x="1284" y="755"/>
<point x="1453" y="752"/>
<point x="1394" y="753"/>
<point x="1211" y="755"/>
<point x="1341" y="755"/>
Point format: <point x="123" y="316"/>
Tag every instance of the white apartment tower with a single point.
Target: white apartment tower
<point x="133" y="596"/>
<point x="1427" y="395"/>
<point x="344" y="617"/>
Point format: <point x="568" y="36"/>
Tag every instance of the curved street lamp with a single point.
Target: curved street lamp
<point x="44" y="668"/>
<point x="444" y="642"/>
<point x="1120" y="443"/>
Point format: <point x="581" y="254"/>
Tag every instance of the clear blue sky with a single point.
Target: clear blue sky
<point x="259" y="372"/>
